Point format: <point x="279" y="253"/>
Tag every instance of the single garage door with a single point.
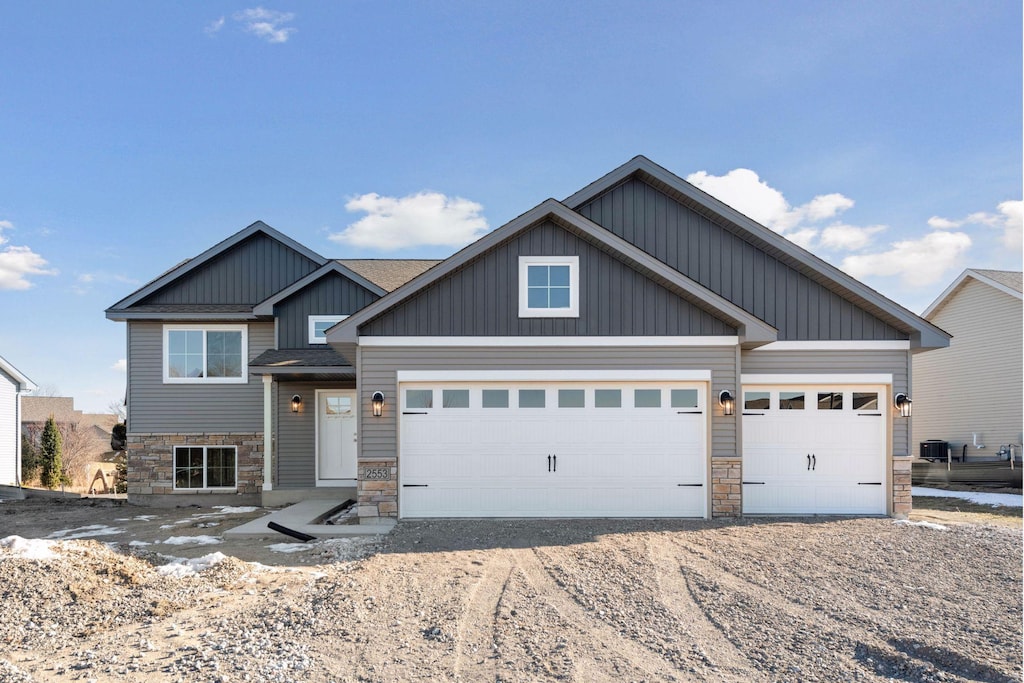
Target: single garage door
<point x="814" y="449"/>
<point x="540" y="449"/>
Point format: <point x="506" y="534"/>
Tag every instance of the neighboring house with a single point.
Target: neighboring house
<point x="85" y="436"/>
<point x="12" y="385"/>
<point x="976" y="385"/>
<point x="638" y="349"/>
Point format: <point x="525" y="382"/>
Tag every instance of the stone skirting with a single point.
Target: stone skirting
<point x="376" y="496"/>
<point x="151" y="460"/>
<point x="902" y="498"/>
<point x="726" y="486"/>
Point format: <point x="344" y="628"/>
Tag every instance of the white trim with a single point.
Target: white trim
<point x="573" y="311"/>
<point x="875" y="379"/>
<point x="314" y="319"/>
<point x="664" y="376"/>
<point x="549" y="341"/>
<point x="268" y="432"/>
<point x="328" y="483"/>
<point x="243" y="379"/>
<point x="942" y="298"/>
<point x="844" y="345"/>
<point x="205" y="447"/>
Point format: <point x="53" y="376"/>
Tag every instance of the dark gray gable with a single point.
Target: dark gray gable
<point x="481" y="298"/>
<point x="332" y="294"/>
<point x="735" y="264"/>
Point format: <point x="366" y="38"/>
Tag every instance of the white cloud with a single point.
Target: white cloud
<point x="940" y="223"/>
<point x="18" y="263"/>
<point x="214" y="26"/>
<point x="918" y="263"/>
<point x="121" y="365"/>
<point x="267" y="24"/>
<point x="425" y="218"/>
<point x="803" y="237"/>
<point x="85" y="282"/>
<point x="848" y="237"/>
<point x="1013" y="221"/>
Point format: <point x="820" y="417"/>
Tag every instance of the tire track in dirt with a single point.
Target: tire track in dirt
<point x="476" y="633"/>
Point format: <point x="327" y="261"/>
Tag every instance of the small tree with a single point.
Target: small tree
<point x="52" y="469"/>
<point x="29" y="459"/>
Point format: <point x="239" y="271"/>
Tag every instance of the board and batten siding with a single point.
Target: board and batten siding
<point x="248" y="273"/>
<point x="155" y="407"/>
<point x="482" y="298"/>
<point x="379" y="366"/>
<point x="10" y="430"/>
<point x="295" y="458"/>
<point x="975" y="385"/>
<point x="719" y="259"/>
<point x="332" y="294"/>
<point x="895" y="363"/>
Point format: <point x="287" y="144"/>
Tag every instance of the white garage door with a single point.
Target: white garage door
<point x="540" y="449"/>
<point x="814" y="449"/>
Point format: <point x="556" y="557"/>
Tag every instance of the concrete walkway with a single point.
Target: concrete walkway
<point x="301" y="517"/>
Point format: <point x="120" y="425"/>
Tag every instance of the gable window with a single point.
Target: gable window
<point x="549" y="286"/>
<point x="204" y="467"/>
<point x="210" y="354"/>
<point x="319" y="324"/>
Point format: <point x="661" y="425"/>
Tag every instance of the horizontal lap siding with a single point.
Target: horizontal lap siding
<point x="248" y="273"/>
<point x="726" y="264"/>
<point x="295" y="463"/>
<point x="330" y="295"/>
<point x="155" y="407"/>
<point x="379" y="366"/>
<point x="974" y="386"/>
<point x="9" y="430"/>
<point x="482" y="298"/>
<point x="895" y="363"/>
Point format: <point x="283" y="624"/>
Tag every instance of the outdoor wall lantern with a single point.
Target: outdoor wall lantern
<point x="903" y="404"/>
<point x="728" y="403"/>
<point x="378" y="403"/>
<point x="296" y="403"/>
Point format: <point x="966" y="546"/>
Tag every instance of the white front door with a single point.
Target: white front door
<point x="814" y="449"/>
<point x="335" y="438"/>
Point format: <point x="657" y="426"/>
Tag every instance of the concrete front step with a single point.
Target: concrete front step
<point x="301" y="517"/>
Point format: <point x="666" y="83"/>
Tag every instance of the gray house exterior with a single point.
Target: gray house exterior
<point x="13" y="384"/>
<point x="637" y="349"/>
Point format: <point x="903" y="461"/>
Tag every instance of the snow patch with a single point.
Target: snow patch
<point x="927" y="525"/>
<point x="29" y="548"/>
<point x="86" y="532"/>
<point x="193" y="540"/>
<point x="235" y="510"/>
<point x="181" y="567"/>
<point x="139" y="544"/>
<point x="287" y="547"/>
<point x="1012" y="500"/>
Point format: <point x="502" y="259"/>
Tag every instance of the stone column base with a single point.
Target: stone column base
<point x="902" y="499"/>
<point x="727" y="486"/>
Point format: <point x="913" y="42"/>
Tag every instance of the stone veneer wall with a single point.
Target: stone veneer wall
<point x="726" y="486"/>
<point x="902" y="499"/>
<point x="377" y="490"/>
<point x="151" y="460"/>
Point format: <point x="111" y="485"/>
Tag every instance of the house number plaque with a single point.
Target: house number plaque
<point x="377" y="473"/>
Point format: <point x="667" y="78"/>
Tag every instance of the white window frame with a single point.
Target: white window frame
<point x="574" y="287"/>
<point x="314" y="319"/>
<point x="205" y="447"/>
<point x="244" y="329"/>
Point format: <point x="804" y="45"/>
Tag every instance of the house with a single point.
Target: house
<point x="85" y="437"/>
<point x="637" y="349"/>
<point x="12" y="385"/>
<point x="972" y="392"/>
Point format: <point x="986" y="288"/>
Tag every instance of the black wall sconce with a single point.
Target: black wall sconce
<point x="296" y="403"/>
<point x="378" y="403"/>
<point x="728" y="403"/>
<point x="903" y="404"/>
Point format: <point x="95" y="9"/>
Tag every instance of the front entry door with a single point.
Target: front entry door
<point x="336" y="438"/>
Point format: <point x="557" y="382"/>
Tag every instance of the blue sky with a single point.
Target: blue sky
<point x="886" y="137"/>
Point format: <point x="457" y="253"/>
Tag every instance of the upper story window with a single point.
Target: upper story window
<point x="205" y="354"/>
<point x="549" y="286"/>
<point x="319" y="324"/>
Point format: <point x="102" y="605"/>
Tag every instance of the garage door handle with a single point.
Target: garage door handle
<point x="689" y="484"/>
<point x="869" y="415"/>
<point x="415" y="486"/>
<point x="869" y="483"/>
<point x="814" y="461"/>
<point x="554" y="459"/>
<point x="808" y="462"/>
<point x="689" y="412"/>
<point x="748" y="483"/>
<point x="549" y="463"/>
<point x="413" y="412"/>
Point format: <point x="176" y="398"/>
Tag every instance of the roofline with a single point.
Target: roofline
<point x="123" y="316"/>
<point x="301" y="369"/>
<point x="215" y="250"/>
<point x="750" y="329"/>
<point x="25" y="382"/>
<point x="266" y="307"/>
<point x="926" y="335"/>
<point x="940" y="301"/>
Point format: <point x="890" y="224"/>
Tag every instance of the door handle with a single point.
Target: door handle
<point x="814" y="462"/>
<point x="555" y="462"/>
<point x="808" y="462"/>
<point x="549" y="463"/>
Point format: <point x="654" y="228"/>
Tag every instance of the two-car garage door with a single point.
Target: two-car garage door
<point x="553" y="449"/>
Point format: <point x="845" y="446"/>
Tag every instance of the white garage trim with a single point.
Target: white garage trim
<point x="550" y="341"/>
<point x="825" y="345"/>
<point x="554" y="376"/>
<point x="817" y="379"/>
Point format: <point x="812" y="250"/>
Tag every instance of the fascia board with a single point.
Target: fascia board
<point x="25" y="382"/>
<point x="215" y="250"/>
<point x="123" y="316"/>
<point x="947" y="293"/>
<point x="266" y="307"/>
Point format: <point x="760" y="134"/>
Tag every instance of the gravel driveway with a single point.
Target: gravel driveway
<point x="750" y="600"/>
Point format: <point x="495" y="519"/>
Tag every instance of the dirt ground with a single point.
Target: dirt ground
<point x="804" y="599"/>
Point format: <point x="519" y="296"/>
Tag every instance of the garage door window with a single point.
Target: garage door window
<point x="495" y="398"/>
<point x="571" y="398"/>
<point x="832" y="400"/>
<point x="647" y="398"/>
<point x="756" y="400"/>
<point x="684" y="398"/>
<point x="419" y="398"/>
<point x="607" y="398"/>
<point x="531" y="398"/>
<point x="455" y="398"/>
<point x="791" y="400"/>
<point x="865" y="401"/>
